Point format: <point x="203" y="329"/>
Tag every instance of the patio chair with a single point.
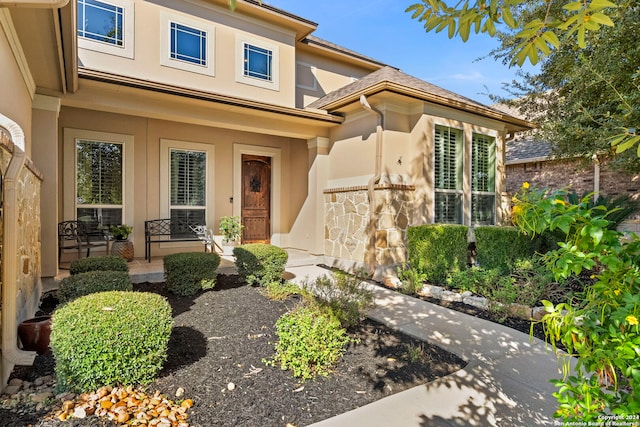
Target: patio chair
<point x="78" y="235"/>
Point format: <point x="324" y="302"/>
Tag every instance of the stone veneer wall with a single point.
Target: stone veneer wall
<point x="347" y="221"/>
<point x="28" y="186"/>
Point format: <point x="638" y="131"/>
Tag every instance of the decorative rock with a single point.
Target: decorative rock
<point x="479" y="302"/>
<point x="79" y="412"/>
<point x="231" y="386"/>
<point x="41" y="397"/>
<point x="537" y="313"/>
<point x="432" y="291"/>
<point x="451" y="296"/>
<point x="12" y="389"/>
<point x="179" y="392"/>
<point x="16" y="382"/>
<point x="466" y="294"/>
<point x="521" y="311"/>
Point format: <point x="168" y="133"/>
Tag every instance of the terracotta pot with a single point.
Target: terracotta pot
<point x="34" y="334"/>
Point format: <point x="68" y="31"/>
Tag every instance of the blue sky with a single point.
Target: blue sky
<point x="381" y="29"/>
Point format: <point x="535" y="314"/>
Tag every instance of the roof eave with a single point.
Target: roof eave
<point x="516" y="123"/>
<point x="319" y="115"/>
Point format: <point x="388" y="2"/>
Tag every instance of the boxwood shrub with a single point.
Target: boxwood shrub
<point x="110" y="338"/>
<point x="187" y="273"/>
<point x="81" y="284"/>
<point x="501" y="247"/>
<point x="437" y="250"/>
<point x="98" y="263"/>
<point x="260" y="264"/>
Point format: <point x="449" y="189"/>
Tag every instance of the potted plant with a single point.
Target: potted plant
<point x="122" y="246"/>
<point x="231" y="229"/>
<point x="120" y="232"/>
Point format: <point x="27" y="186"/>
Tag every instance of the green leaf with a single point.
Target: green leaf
<point x="573" y="6"/>
<point x="601" y="18"/>
<point x="507" y="17"/>
<point x="581" y="41"/>
<point x="601" y="4"/>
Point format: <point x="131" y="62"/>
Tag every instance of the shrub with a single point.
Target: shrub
<point x="437" y="250"/>
<point x="110" y="338"/>
<point x="502" y="247"/>
<point x="602" y="331"/>
<point x="81" y="284"/>
<point x="311" y="342"/>
<point x="412" y="279"/>
<point x="190" y="272"/>
<point x="344" y="295"/>
<point x="98" y="263"/>
<point x="280" y="291"/>
<point x="260" y="264"/>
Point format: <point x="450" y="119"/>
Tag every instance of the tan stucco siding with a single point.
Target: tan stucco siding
<point x="327" y="75"/>
<point x="15" y="97"/>
<point x="229" y="30"/>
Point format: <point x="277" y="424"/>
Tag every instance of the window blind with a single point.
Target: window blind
<point x="448" y="164"/>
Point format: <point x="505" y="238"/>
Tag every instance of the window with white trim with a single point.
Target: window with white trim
<point x="257" y="63"/>
<point x="186" y="181"/>
<point x="188" y="185"/>
<point x="106" y="26"/>
<point x="187" y="43"/>
<point x="99" y="182"/>
<point x="448" y="175"/>
<point x="483" y="176"/>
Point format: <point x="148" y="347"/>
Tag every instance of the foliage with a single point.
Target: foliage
<point x="502" y="247"/>
<point x="188" y="273"/>
<point x="107" y="339"/>
<point x="346" y="296"/>
<point x="534" y="37"/>
<point x="619" y="208"/>
<point x="437" y="250"/>
<point x="231" y="228"/>
<point x="81" y="284"/>
<point x="260" y="264"/>
<point x="280" y="291"/>
<point x="311" y="342"/>
<point x="120" y="232"/>
<point x="98" y="263"/>
<point x="412" y="279"/>
<point x="601" y="330"/>
<point x="584" y="101"/>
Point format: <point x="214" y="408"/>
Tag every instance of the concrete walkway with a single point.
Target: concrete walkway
<point x="505" y="383"/>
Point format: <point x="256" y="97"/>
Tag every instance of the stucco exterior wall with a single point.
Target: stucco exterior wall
<point x="229" y="29"/>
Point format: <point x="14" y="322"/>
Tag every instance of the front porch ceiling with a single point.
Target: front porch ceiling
<point x="102" y="92"/>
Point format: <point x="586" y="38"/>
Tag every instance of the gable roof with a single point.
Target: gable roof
<point x="393" y="80"/>
<point x="317" y="42"/>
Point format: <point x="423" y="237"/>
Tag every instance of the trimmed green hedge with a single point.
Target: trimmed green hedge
<point x="98" y="263"/>
<point x="110" y="338"/>
<point x="188" y="273"/>
<point x="82" y="284"/>
<point x="437" y="250"/>
<point x="260" y="264"/>
<point x="501" y="247"/>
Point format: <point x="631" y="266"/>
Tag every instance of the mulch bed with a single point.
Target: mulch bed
<point x="222" y="336"/>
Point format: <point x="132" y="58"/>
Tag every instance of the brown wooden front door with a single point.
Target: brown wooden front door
<point x="256" y="199"/>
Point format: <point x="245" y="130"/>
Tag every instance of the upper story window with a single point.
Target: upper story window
<point x="101" y="22"/>
<point x="448" y="175"/>
<point x="186" y="43"/>
<point x="257" y="63"/>
<point x="106" y="26"/>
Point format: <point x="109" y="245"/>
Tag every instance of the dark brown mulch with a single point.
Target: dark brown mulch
<point x="222" y="337"/>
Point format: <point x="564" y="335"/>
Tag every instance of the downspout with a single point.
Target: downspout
<point x="596" y="177"/>
<point x="10" y="350"/>
<point x="373" y="215"/>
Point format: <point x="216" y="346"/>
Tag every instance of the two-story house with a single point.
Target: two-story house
<point x="121" y="111"/>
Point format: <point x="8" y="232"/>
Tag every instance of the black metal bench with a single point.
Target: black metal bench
<point x="168" y="230"/>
